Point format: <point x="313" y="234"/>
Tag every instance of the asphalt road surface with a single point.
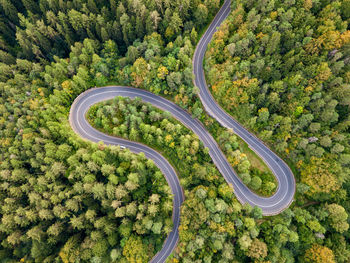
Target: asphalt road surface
<point x="270" y="206"/>
<point x="286" y="182"/>
<point x="82" y="127"/>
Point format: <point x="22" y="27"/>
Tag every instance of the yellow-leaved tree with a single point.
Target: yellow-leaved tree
<point x="320" y="176"/>
<point x="319" y="254"/>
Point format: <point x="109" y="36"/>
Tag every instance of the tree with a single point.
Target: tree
<point x="154" y="18"/>
<point x="228" y="251"/>
<point x="175" y="23"/>
<point x="157" y="228"/>
<point x="245" y="242"/>
<point x="139" y="72"/>
<point x="320" y="176"/>
<point x="346" y="9"/>
<point x="194" y="36"/>
<point x="345" y="159"/>
<point x="263" y="115"/>
<point x="257" y="212"/>
<point x="255" y="183"/>
<point x="162" y="72"/>
<point x="337" y="148"/>
<point x="319" y="254"/>
<point x="201" y="14"/>
<point x="10" y="10"/>
<point x="127" y="28"/>
<point x="338" y="217"/>
<point x="246" y="178"/>
<point x="7" y="58"/>
<point x="273" y="43"/>
<point x="257" y="249"/>
<point x="135" y="251"/>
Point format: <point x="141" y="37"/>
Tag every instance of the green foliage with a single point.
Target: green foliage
<point x="138" y="121"/>
<point x="135" y="251"/>
<point x="255" y="175"/>
<point x="74" y="201"/>
<point x="49" y="29"/>
<point x="338" y="217"/>
<point x="281" y="68"/>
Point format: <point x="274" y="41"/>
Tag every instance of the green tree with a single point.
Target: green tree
<point x="318" y="254"/>
<point x="135" y="251"/>
<point x="257" y="249"/>
<point x="338" y="217"/>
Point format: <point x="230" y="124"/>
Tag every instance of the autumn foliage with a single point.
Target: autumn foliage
<point x="319" y="254"/>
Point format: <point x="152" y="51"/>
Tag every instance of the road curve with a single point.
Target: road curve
<point x="286" y="189"/>
<point x="82" y="127"/>
<point x="270" y="206"/>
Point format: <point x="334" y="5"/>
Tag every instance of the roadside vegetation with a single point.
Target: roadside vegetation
<point x="135" y="120"/>
<point x="138" y="121"/>
<point x="280" y="68"/>
<point x="247" y="164"/>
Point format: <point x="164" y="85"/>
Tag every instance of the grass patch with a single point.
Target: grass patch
<point x="253" y="157"/>
<point x="258" y="166"/>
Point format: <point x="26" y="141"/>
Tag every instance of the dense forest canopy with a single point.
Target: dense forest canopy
<point x="42" y="29"/>
<point x="138" y="121"/>
<point x="63" y="199"/>
<point x="286" y="76"/>
<point x="280" y="67"/>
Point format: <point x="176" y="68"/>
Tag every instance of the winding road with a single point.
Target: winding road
<point x="286" y="181"/>
<point x="270" y="206"/>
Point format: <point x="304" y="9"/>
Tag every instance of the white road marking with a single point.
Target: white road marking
<point x="181" y="115"/>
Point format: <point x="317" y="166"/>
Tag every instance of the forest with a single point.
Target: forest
<point x="137" y="121"/>
<point x="281" y="68"/>
<point x="289" y="84"/>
